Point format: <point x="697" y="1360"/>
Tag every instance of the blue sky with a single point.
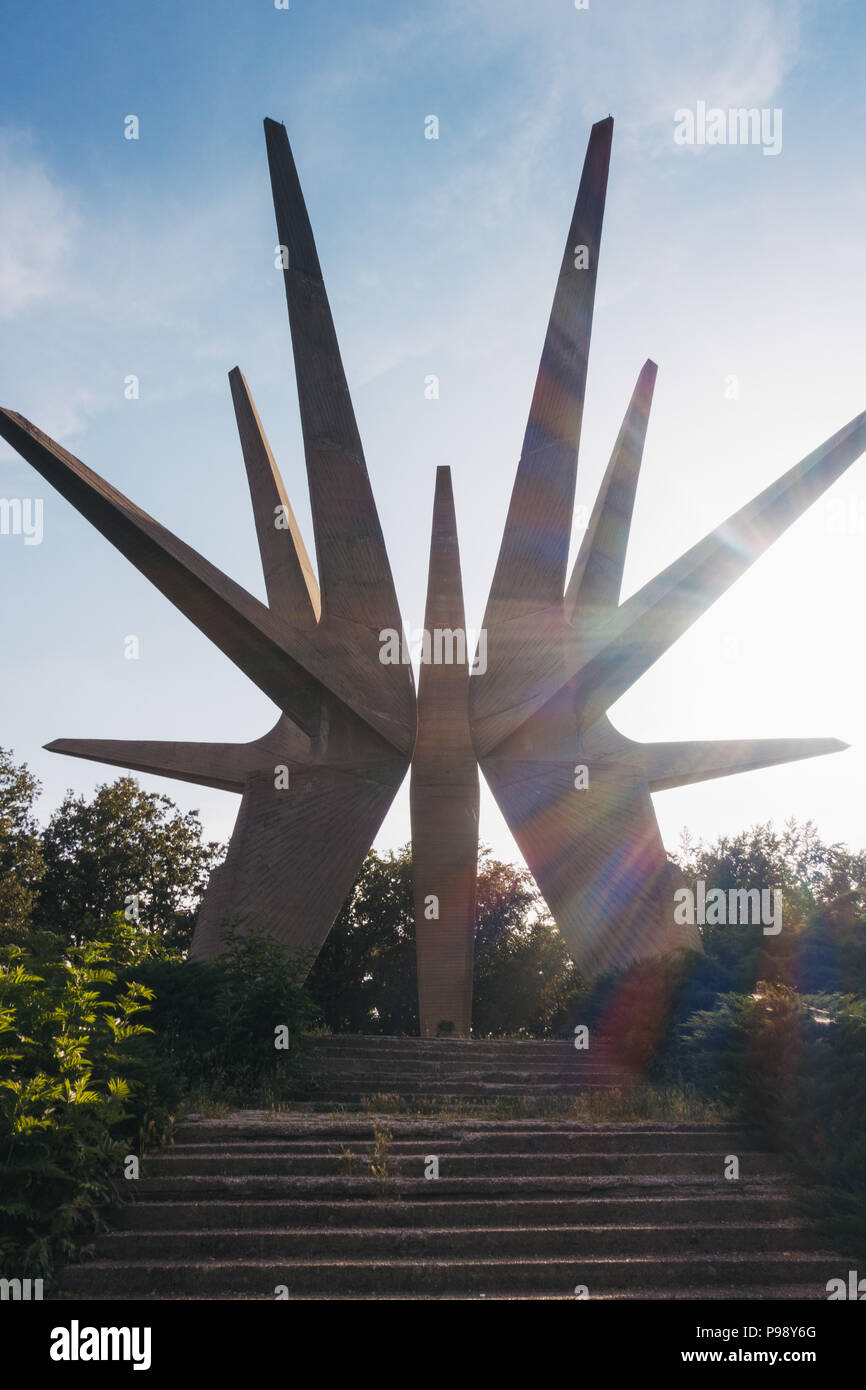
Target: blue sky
<point x="155" y="258"/>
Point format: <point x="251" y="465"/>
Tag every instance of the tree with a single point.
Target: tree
<point x="125" y="851"/>
<point x="823" y="890"/>
<point x="21" y="862"/>
<point x="525" y="980"/>
<point x="364" y="979"/>
<point x="810" y="873"/>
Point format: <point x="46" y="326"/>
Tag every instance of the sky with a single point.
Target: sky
<point x="741" y="273"/>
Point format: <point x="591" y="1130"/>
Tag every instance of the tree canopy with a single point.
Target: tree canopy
<point x="364" y="977"/>
<point x="123" y="851"/>
<point x="21" y="861"/>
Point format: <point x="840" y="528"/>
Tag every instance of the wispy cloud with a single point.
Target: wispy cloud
<point x="38" y="223"/>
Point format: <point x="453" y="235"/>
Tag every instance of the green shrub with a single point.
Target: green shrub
<point x="83" y="1082"/>
<point x="214" y="1026"/>
<point x="794" y="1067"/>
<point x="753" y="1050"/>
<point x="641" y="1008"/>
<point x="69" y="1037"/>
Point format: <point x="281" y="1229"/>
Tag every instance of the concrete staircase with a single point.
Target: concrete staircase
<point x="521" y="1209"/>
<point x="346" y="1070"/>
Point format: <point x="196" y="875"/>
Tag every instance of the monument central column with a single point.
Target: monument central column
<point x="444" y="792"/>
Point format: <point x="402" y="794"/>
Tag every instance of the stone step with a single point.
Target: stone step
<point x="445" y="1083"/>
<point x="460" y="1054"/>
<point x="365" y="1073"/>
<point x="409" y="1048"/>
<point x="458" y="1164"/>
<point x="448" y="1091"/>
<point x="696" y="1272"/>
<point x="522" y="1209"/>
<point x="718" y="1208"/>
<point x="265" y="1124"/>
<point x="800" y="1293"/>
<point x="586" y="1142"/>
<point x="455" y="1242"/>
<point x="368" y="1061"/>
<point x="449" y="1047"/>
<point x="287" y="1187"/>
<point x="525" y="1053"/>
<point x="561" y="1058"/>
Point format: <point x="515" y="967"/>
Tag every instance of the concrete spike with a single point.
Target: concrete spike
<point x="547" y="655"/>
<point x="596" y="580"/>
<point x="444" y="795"/>
<point x="293" y="591"/>
<point x="354" y="574"/>
<point x="233" y="619"/>
<point x="679" y="764"/>
<point x="219" y="765"/>
<point x="534" y="553"/>
<point x="222" y="765"/>
<point x="649" y="622"/>
<point x="297" y="668"/>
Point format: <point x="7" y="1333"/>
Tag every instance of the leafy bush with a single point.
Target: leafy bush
<point x="69" y="1033"/>
<point x="794" y="1067"/>
<point x="83" y="1082"/>
<point x="214" y="1026"/>
<point x="640" y="1009"/>
<point x="750" y="1049"/>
